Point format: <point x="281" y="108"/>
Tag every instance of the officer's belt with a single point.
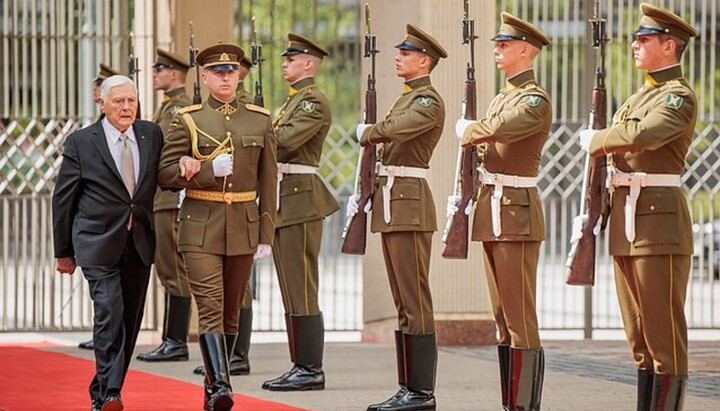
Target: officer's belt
<point x="287" y="168"/>
<point x="391" y="172"/>
<point x="636" y="181"/>
<point x="220" y="197"/>
<point x="499" y="181"/>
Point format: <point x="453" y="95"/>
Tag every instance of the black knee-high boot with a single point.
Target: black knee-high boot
<point x="527" y="369"/>
<point x="218" y="393"/>
<point x="668" y="392"/>
<point x="401" y="376"/>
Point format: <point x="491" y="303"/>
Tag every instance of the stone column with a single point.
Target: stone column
<point x="460" y="298"/>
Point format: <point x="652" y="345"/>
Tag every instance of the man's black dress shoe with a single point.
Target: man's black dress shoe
<point x="87" y="345"/>
<point x="112" y="402"/>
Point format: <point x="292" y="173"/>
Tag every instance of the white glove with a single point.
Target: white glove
<point x="262" y="251"/>
<point x="181" y="198"/>
<point x="360" y="129"/>
<point x="452" y="202"/>
<point x="586" y="137"/>
<point x="577" y="225"/>
<point x="352" y="206"/>
<point x="461" y="126"/>
<point x="222" y="165"/>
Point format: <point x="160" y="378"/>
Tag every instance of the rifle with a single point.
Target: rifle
<point x="197" y="98"/>
<point x="355" y="233"/>
<point x="594" y="198"/>
<point x="456" y="231"/>
<point x="256" y="52"/>
<point x="134" y="68"/>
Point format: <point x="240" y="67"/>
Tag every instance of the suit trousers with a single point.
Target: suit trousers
<point x="118" y="293"/>
<point x="295" y="252"/>
<point x="217" y="283"/>
<point x="651" y="291"/>
<point x="169" y="265"/>
<point x="511" y="271"/>
<point x="407" y="262"/>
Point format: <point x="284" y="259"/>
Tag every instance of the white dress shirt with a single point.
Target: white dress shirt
<point x="114" y="144"/>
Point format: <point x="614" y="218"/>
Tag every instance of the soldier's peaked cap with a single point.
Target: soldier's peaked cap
<point x="105" y="72"/>
<point x="418" y="40"/>
<point x="655" y="20"/>
<point x="299" y="44"/>
<point x="170" y="60"/>
<point x="221" y="56"/>
<point x="513" y="28"/>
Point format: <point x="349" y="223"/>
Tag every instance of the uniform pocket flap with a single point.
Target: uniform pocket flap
<point x="295" y="186"/>
<point x="515" y="196"/>
<point x="409" y="190"/>
<point x="252" y="141"/>
<point x="195" y="212"/>
<point x="252" y="212"/>
<point x="91" y="226"/>
<point x="653" y="203"/>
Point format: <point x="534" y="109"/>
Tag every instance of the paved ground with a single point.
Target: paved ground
<point x="594" y="375"/>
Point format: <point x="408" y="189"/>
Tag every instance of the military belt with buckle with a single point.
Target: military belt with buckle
<point x="220" y="197"/>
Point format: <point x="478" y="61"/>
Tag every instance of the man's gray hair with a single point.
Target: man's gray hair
<point x="114" y="81"/>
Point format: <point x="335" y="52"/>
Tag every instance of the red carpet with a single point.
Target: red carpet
<point x="36" y="380"/>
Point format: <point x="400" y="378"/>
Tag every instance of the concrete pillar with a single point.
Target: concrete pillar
<point x="460" y="298"/>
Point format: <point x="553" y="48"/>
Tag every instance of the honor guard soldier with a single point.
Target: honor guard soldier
<point x="508" y="214"/>
<point x="222" y="153"/>
<point x="239" y="361"/>
<point x="169" y="72"/>
<point x="303" y="202"/>
<point x="651" y="237"/>
<point x="404" y="213"/>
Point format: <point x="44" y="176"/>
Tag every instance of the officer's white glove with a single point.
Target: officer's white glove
<point x="352" y="206"/>
<point x="181" y="198"/>
<point x="222" y="165"/>
<point x="586" y="137"/>
<point x="360" y="129"/>
<point x="461" y="126"/>
<point x="262" y="251"/>
<point x="577" y="225"/>
<point x="452" y="206"/>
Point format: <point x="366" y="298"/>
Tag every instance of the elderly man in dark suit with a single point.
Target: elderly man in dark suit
<point x="102" y="220"/>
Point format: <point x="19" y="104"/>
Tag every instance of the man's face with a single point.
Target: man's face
<point x="221" y="84"/>
<point x="407" y="63"/>
<point x="648" y="52"/>
<point x="120" y="106"/>
<point x="161" y="78"/>
<point x="507" y="55"/>
<point x="96" y="93"/>
<point x="293" y="67"/>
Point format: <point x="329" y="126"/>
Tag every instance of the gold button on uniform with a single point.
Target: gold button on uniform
<point x="652" y="208"/>
<point x="227" y="118"/>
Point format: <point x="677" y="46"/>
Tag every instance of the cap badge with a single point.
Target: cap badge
<point x="224" y="57"/>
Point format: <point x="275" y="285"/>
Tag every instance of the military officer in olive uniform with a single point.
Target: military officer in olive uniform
<point x="169" y="72"/>
<point x="404" y="213"/>
<point x="508" y="214"/>
<point x="304" y="201"/>
<point x="239" y="361"/>
<point x="222" y="153"/>
<point x="650" y="227"/>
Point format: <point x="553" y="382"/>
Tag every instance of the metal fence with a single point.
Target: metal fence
<point x="566" y="70"/>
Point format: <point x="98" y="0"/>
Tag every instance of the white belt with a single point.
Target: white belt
<point x="636" y="181"/>
<point x="500" y="181"/>
<point x="391" y="172"/>
<point x="287" y="168"/>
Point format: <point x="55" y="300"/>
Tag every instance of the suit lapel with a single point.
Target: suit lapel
<point x="143" y="147"/>
<point x="101" y="144"/>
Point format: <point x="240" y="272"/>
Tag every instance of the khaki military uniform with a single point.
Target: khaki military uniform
<point x="409" y="134"/>
<point x="242" y="95"/>
<point x="651" y="133"/>
<point x="511" y="138"/>
<point x="301" y="128"/>
<point x="169" y="265"/>
<point x="221" y="223"/>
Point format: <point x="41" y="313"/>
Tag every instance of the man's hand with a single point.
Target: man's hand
<point x="262" y="251"/>
<point x="577" y="226"/>
<point x="586" y="137"/>
<point x="353" y="207"/>
<point x="452" y="206"/>
<point x="360" y="129"/>
<point x="189" y="167"/>
<point x="66" y="265"/>
<point x="222" y="165"/>
<point x="460" y="126"/>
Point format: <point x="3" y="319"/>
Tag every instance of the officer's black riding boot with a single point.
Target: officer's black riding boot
<point x="308" y="334"/>
<point x="239" y="361"/>
<point x="644" y="388"/>
<point x="175" y="331"/>
<point x="504" y="362"/>
<point x="527" y="369"/>
<point x="420" y="370"/>
<point x="668" y="392"/>
<point x="402" y="378"/>
<point x="218" y="393"/>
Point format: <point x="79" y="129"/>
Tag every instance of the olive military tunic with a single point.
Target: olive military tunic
<point x="512" y="136"/>
<point x="245" y="98"/>
<point x="218" y="239"/>
<point x="301" y="127"/>
<point x="409" y="133"/>
<point x="169" y="265"/>
<point x="652" y="133"/>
